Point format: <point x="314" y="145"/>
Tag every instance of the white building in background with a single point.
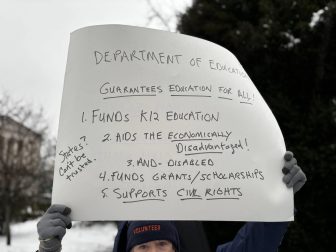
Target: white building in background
<point x="19" y="146"/>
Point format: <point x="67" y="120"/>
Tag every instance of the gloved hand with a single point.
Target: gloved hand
<point x="293" y="175"/>
<point x="52" y="227"/>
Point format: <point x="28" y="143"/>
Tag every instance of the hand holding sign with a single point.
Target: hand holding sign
<point x="294" y="176"/>
<point x="174" y="129"/>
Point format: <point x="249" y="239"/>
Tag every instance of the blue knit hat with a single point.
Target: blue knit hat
<point x="145" y="231"/>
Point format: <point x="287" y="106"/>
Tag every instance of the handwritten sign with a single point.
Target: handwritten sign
<point x="157" y="125"/>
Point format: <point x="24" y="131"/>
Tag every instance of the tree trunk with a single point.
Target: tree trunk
<point x="7" y="224"/>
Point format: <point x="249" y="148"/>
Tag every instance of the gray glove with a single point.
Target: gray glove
<point x="294" y="176"/>
<point x="52" y="227"/>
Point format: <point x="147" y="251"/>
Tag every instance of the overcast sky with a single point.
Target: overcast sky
<point x="34" y="38"/>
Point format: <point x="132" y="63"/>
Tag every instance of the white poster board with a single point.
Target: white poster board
<point x="157" y="125"/>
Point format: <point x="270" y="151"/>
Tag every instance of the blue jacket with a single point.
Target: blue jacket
<point x="252" y="237"/>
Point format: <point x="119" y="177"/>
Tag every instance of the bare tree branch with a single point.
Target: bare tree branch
<point x="157" y="14"/>
<point x="165" y="12"/>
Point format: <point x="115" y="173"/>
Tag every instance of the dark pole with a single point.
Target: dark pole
<point x="7" y="222"/>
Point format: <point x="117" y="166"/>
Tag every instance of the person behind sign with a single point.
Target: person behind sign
<point x="162" y="236"/>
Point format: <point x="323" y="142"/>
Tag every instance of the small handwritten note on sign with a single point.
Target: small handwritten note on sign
<point x="157" y="125"/>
